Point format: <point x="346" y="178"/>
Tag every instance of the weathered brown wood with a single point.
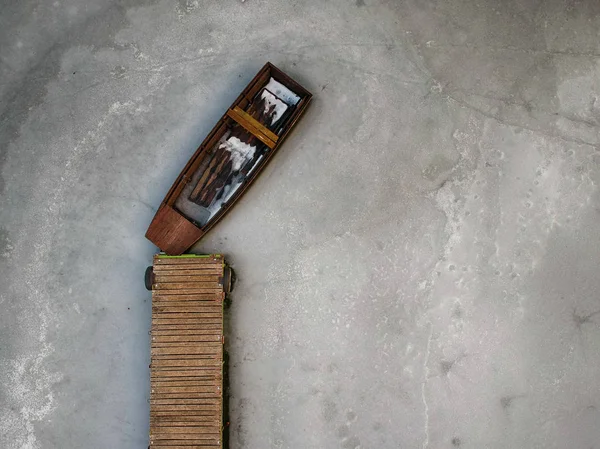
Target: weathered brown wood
<point x="210" y="278"/>
<point x="200" y="348"/>
<point x="186" y="367"/>
<point x="168" y="311"/>
<point x="165" y="388"/>
<point x="189" y="395"/>
<point x="186" y="409"/>
<point x="220" y="159"/>
<point x="193" y="446"/>
<point x="252" y="126"/>
<point x="189" y="324"/>
<point x="191" y="270"/>
<point x="198" y="300"/>
<point x="208" y="165"/>
<point x="257" y="83"/>
<point x="185" y="444"/>
<point x="208" y="384"/>
<point x="176" y="413"/>
<point x="188" y="260"/>
<point x="181" y="422"/>
<point x="180" y="322"/>
<point x="168" y="440"/>
<point x="169" y="387"/>
<point x="183" y="381"/>
<point x="209" y="290"/>
<point x="250" y="116"/>
<point x="208" y="296"/>
<point x="187" y="286"/>
<point x="187" y="306"/>
<point x="159" y="334"/>
<point x="206" y="147"/>
<point x="192" y="318"/>
<point x="170" y="229"/>
<point x="180" y="370"/>
<point x="164" y="340"/>
<point x="204" y="329"/>
<point x="185" y="406"/>
<point x="193" y="321"/>
<point x="186" y="264"/>
<point x="195" y="348"/>
<point x="176" y="363"/>
<point x="211" y="403"/>
<point x="202" y="314"/>
<point x="203" y="432"/>
<point x="178" y="328"/>
<point x="184" y="412"/>
<point x="168" y="416"/>
<point x="196" y="438"/>
<point x="183" y="373"/>
<point x="159" y="230"/>
<point x="197" y="330"/>
<point x="162" y="353"/>
<point x="178" y="381"/>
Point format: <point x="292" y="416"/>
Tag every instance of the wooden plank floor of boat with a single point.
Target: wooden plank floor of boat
<point x="186" y="369"/>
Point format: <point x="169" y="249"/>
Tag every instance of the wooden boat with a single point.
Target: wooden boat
<point x="229" y="159"/>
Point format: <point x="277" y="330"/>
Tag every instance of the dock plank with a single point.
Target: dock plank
<point x="186" y="351"/>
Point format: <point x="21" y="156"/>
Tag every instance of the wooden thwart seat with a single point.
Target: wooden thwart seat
<point x="253" y="126"/>
<point x="186" y="369"/>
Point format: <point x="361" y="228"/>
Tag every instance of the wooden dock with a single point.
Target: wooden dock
<point x="186" y="370"/>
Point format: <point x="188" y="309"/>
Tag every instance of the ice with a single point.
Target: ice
<point x="241" y="152"/>
<point x="273" y="103"/>
<point x="282" y="92"/>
